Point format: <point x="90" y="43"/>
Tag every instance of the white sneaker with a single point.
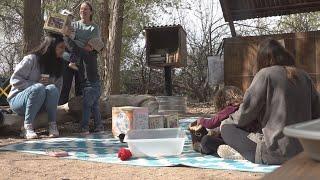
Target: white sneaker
<point x="53" y="130"/>
<point x="227" y="152"/>
<point x="29" y="132"/>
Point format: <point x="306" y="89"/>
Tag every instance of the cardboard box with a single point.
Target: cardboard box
<point x="127" y="118"/>
<point x="171" y="121"/>
<point x="57" y="22"/>
<point x="156" y="121"/>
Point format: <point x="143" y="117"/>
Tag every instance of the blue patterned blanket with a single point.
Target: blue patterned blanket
<point x="103" y="148"/>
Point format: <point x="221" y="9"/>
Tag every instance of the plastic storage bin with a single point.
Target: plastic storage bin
<point x="156" y="142"/>
<point x="308" y="134"/>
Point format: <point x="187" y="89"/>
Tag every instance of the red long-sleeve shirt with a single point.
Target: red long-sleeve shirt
<point x="216" y="120"/>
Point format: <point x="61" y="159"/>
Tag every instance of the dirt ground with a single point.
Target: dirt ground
<point x="15" y="165"/>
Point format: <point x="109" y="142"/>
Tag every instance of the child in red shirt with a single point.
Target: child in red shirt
<point x="227" y="102"/>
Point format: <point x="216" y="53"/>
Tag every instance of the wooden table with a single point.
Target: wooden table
<point x="300" y="167"/>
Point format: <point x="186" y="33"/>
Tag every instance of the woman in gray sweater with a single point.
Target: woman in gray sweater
<point x="279" y="95"/>
<point x="36" y="84"/>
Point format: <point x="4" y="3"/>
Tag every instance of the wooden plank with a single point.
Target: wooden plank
<point x="251" y="4"/>
<point x="183" y="53"/>
<point x="299" y="167"/>
<point x="305" y="51"/>
<point x="232" y="29"/>
<point x="240" y="55"/>
<point x="239" y="64"/>
<point x="3" y="92"/>
<point x="232" y="62"/>
<point x="228" y="17"/>
<point x="260" y="3"/>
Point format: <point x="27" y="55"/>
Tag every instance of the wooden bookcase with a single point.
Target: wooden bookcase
<point x="166" y="46"/>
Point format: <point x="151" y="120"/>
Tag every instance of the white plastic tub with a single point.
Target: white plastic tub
<point x="156" y="142"/>
<point x="308" y="134"/>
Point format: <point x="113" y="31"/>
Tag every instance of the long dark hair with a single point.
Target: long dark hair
<point x="272" y="53"/>
<point x="46" y="53"/>
<point x="91" y="8"/>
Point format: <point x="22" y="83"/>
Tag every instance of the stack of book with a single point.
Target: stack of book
<point x="157" y="58"/>
<point x="160" y="59"/>
<point x="171" y="58"/>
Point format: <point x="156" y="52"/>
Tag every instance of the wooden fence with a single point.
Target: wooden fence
<point x="240" y="56"/>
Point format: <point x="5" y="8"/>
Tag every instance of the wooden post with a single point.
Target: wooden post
<point x="168" y="80"/>
<point x="232" y="29"/>
<point x="229" y="17"/>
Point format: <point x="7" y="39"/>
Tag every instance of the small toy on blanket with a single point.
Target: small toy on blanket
<point x="124" y="154"/>
<point x="197" y="132"/>
<point x="57" y="153"/>
<point x="121" y="137"/>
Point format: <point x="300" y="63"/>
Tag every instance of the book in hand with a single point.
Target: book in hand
<point x="96" y="44"/>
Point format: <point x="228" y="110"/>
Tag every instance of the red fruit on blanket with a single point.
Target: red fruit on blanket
<point x="124" y="154"/>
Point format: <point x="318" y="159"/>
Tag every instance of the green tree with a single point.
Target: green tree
<point x="299" y="22"/>
<point x="11" y="25"/>
<point x="137" y="15"/>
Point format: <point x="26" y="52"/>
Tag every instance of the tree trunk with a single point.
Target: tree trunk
<point x="104" y="24"/>
<point x="32" y="25"/>
<point x="112" y="70"/>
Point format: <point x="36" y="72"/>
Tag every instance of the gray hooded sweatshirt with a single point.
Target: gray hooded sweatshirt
<point x="275" y="102"/>
<point x="26" y="74"/>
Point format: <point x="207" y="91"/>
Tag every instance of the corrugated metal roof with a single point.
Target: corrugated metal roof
<point x="164" y="27"/>
<point x="234" y="10"/>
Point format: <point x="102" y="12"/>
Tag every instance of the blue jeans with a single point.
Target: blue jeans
<point x="91" y="96"/>
<point x="30" y="101"/>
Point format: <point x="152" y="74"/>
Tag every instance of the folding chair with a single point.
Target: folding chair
<point x="4" y="91"/>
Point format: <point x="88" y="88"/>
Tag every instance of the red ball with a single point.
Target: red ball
<point x="124" y="154"/>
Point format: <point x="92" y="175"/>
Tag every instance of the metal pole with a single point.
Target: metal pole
<point x="168" y="80"/>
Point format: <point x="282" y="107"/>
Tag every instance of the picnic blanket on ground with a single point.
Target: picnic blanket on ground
<point x="104" y="148"/>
